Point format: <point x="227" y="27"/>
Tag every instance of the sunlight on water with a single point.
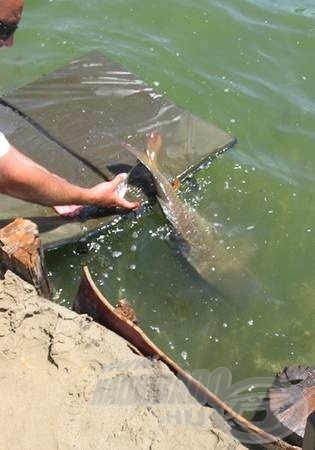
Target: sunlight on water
<point x="248" y="68"/>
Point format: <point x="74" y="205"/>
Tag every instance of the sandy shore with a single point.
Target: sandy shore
<point x="68" y="383"/>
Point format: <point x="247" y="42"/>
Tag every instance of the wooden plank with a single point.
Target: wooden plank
<point x="309" y="437"/>
<point x="21" y="252"/>
<point x="292" y="399"/>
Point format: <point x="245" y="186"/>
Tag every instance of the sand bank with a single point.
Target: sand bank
<point x="68" y="383"/>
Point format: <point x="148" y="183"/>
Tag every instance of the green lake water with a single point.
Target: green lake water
<point x="247" y="67"/>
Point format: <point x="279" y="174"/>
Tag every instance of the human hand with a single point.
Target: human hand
<point x="105" y="194"/>
<point x="108" y="194"/>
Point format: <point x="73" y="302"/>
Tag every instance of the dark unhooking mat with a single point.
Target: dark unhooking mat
<point x="72" y="121"/>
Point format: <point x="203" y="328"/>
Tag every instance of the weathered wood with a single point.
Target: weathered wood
<point x="21" y="252"/>
<point x="292" y="400"/>
<point x="89" y="300"/>
<point x="124" y="309"/>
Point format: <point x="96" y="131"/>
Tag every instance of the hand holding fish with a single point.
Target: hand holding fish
<point x="23" y="178"/>
<point x="105" y="194"/>
<point x="111" y="193"/>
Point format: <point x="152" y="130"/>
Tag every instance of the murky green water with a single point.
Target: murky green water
<point x="246" y="66"/>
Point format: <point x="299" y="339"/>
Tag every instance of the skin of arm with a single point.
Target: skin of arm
<point x="22" y="178"/>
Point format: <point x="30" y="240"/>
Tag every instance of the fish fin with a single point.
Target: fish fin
<point x="140" y="155"/>
<point x="149" y="155"/>
<point x="153" y="147"/>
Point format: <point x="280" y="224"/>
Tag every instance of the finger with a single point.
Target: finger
<point x="123" y="203"/>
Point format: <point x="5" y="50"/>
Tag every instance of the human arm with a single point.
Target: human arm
<point x="22" y="178"/>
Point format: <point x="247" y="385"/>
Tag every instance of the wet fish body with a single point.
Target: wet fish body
<point x="197" y="239"/>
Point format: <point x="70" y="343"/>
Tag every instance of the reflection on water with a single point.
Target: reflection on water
<point x="247" y="66"/>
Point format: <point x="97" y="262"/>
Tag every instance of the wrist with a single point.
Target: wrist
<point x="84" y="196"/>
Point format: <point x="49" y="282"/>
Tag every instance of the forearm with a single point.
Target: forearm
<point x="22" y="178"/>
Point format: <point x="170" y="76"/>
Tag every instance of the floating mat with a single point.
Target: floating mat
<point x="72" y="122"/>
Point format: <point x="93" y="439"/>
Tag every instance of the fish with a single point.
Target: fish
<point x="196" y="239"/>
